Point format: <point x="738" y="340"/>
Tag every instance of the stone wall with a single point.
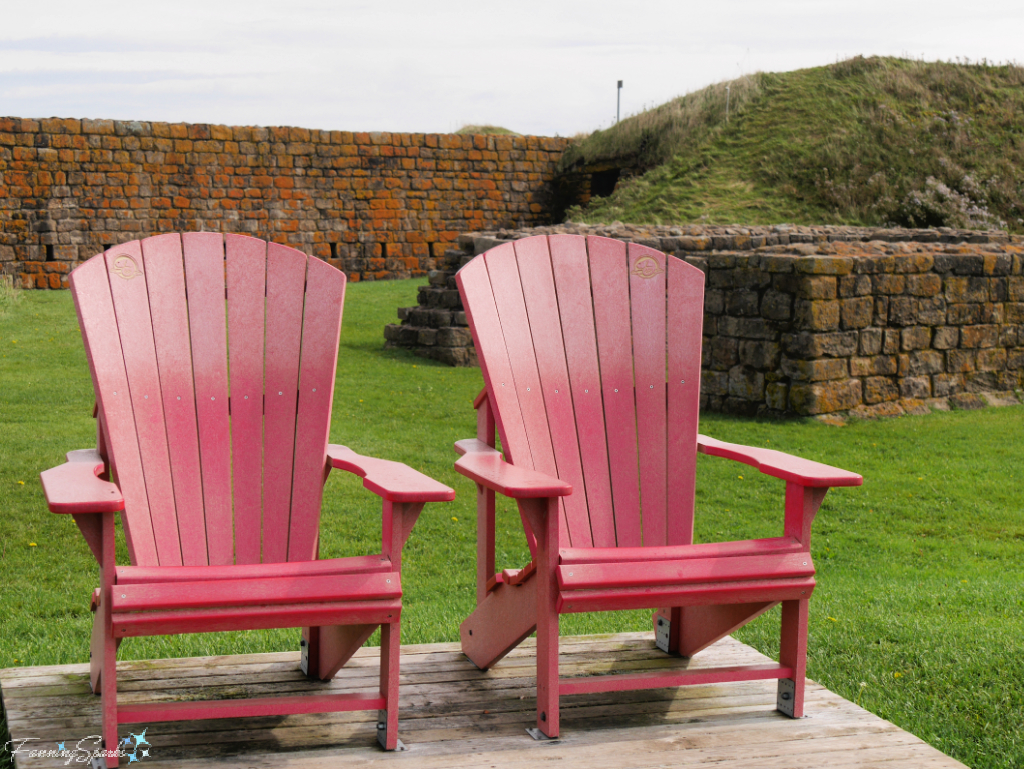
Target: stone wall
<point x="812" y="320"/>
<point x="376" y="205"/>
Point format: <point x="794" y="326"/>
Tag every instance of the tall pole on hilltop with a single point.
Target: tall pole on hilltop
<point x="618" y="101"/>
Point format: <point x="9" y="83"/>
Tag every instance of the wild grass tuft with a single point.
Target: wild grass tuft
<point x="9" y="295"/>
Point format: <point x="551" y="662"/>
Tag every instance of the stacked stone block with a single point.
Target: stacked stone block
<point x="376" y="205"/>
<point x="837" y="321"/>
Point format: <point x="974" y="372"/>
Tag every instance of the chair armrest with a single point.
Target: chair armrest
<point x="780" y="465"/>
<point x="392" y="481"/>
<point x="74" y="488"/>
<point x="486" y="466"/>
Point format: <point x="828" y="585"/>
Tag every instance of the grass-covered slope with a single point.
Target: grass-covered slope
<point x="866" y="141"/>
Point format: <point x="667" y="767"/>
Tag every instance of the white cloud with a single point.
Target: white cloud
<point x="542" y="67"/>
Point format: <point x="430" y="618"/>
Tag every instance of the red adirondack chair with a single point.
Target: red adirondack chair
<point x="591" y="361"/>
<point x="213" y="360"/>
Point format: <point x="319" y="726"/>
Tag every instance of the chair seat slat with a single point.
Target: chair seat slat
<point x="262" y="591"/>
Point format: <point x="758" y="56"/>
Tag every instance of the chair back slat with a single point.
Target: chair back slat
<point x="95" y="307"/>
<point x="204" y="282"/>
<point x="286" y="279"/>
<point x="609" y="279"/>
<point x="246" y="299"/>
<point x="534" y="260"/>
<point x="482" y="313"/>
<point x="135" y="327"/>
<point x="164" y="269"/>
<point x="647" y="307"/>
<point x="685" y="324"/>
<point x="572" y="283"/>
<point x="536" y="451"/>
<point x="321" y="325"/>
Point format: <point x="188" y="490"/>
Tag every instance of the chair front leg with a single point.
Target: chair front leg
<point x="543" y="517"/>
<point x="390" y="652"/>
<point x="103" y="651"/>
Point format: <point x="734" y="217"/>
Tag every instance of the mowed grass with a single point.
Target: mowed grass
<point x="918" y="611"/>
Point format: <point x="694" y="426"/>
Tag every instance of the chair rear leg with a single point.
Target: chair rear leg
<point x="793" y="653"/>
<point x="387" y="719"/>
<point x="668" y="626"/>
<point x="108" y="692"/>
<point x="547" y="671"/>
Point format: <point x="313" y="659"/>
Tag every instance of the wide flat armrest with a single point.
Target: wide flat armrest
<point x="784" y="466"/>
<point x="486" y="466"/>
<point x="74" y="488"/>
<point x="392" y="481"/>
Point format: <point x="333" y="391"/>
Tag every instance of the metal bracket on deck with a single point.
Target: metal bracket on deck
<point x="98" y="762"/>
<point x="538" y="735"/>
<point x="382" y="732"/>
<point x="662" y="633"/>
<point x="786" y="698"/>
<point x="304" y="656"/>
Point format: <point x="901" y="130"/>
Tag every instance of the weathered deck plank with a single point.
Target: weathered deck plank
<point x="454" y="715"/>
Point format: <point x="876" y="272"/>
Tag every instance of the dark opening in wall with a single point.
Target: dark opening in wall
<point x="384" y="250"/>
<point x="334" y="249"/>
<point x="602" y="183"/>
<point x="49" y="252"/>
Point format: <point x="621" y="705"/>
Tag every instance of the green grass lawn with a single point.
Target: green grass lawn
<point x="918" y="612"/>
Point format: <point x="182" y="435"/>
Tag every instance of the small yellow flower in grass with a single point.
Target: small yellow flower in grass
<point x="32" y="544"/>
<point x="455" y="519"/>
<point x="740" y="477"/>
<point x="897" y="674"/>
<point x="21" y="483"/>
<point x="920" y="479"/>
<point x="964" y="581"/>
<point x="833" y="619"/>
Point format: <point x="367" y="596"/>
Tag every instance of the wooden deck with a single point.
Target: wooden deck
<point x="454" y="715"/>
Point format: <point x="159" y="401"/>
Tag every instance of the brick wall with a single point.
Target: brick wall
<point x="376" y="205"/>
<point x="813" y="320"/>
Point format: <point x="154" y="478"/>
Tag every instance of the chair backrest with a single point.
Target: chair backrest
<point x="213" y="360"/>
<point x="591" y="359"/>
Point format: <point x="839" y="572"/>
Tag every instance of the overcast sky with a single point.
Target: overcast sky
<point x="535" y="66"/>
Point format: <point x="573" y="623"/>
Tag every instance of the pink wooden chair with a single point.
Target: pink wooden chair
<point x="591" y="361"/>
<point x="219" y="475"/>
